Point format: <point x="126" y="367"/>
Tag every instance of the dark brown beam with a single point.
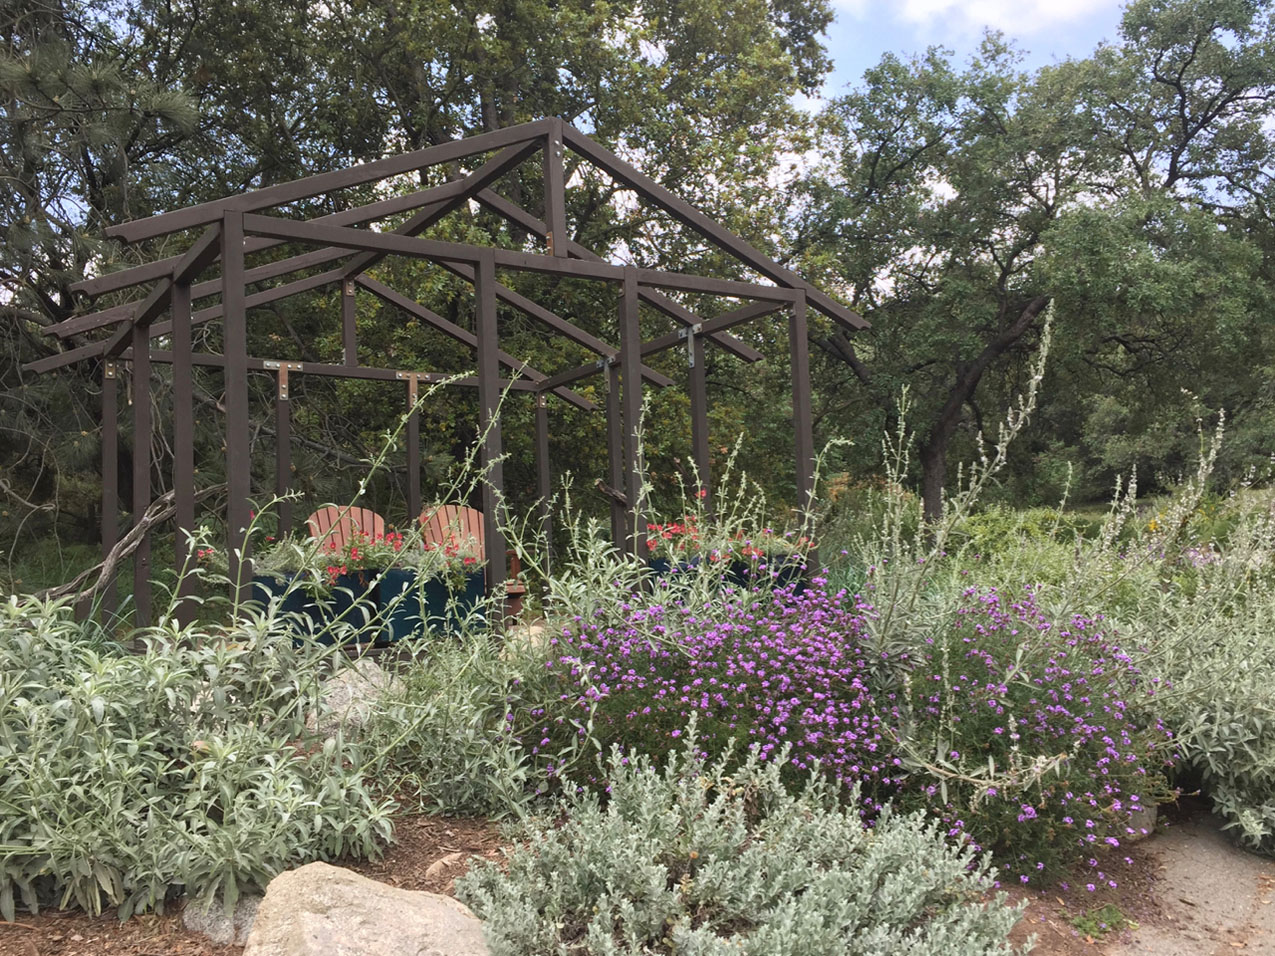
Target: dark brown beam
<point x="577" y="373"/>
<point x="726" y="240"/>
<point x="238" y="422"/>
<point x="665" y="342"/>
<point x="520" y="217"/>
<point x="413" y="451"/>
<point x="393" y="244"/>
<point x="98" y="320"/>
<point x="283" y="447"/>
<point x="194" y="216"/>
<point x="489" y="396"/>
<point x="698" y="388"/>
<point x="479" y="179"/>
<point x="554" y="321"/>
<point x="555" y="232"/>
<point x="71" y="356"/>
<point x="349" y="331"/>
<point x="441" y="201"/>
<point x="183" y="449"/>
<point x="464" y="336"/>
<point x="203" y="252"/>
<point x="110" y="477"/>
<point x="544" y="480"/>
<point x="207" y="360"/>
<point x="630" y="362"/>
<point x="707" y="327"/>
<point x="615" y="456"/>
<point x="799" y="347"/>
<point x="141" y="474"/>
<point x="140" y="275"/>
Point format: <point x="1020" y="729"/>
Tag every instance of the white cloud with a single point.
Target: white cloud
<point x="1015" y="17"/>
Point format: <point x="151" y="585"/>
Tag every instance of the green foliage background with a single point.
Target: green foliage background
<point x="946" y="201"/>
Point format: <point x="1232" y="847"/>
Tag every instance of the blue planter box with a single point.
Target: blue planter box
<point x="431" y="606"/>
<point x="299" y="601"/>
<point x="740" y="574"/>
<point x="313" y="613"/>
<point x="665" y="568"/>
<point x="357" y="587"/>
<point x="777" y="573"/>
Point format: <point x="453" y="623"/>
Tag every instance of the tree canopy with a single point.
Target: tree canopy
<point x="948" y="202"/>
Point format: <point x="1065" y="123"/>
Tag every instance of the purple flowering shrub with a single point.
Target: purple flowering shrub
<point x="765" y="669"/>
<point x="1069" y="764"/>
<point x="1027" y="728"/>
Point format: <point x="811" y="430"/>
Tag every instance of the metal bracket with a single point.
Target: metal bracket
<point x="540" y="400"/>
<point x="108" y="370"/>
<point x="281" y="370"/>
<point x="689" y="334"/>
<point x="347" y="287"/>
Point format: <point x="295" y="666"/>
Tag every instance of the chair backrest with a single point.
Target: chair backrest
<point x="441" y="524"/>
<point x="339" y="526"/>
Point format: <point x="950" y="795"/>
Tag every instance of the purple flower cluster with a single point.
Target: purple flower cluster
<point x="1010" y="685"/>
<point x="795" y="670"/>
<point x="789" y="671"/>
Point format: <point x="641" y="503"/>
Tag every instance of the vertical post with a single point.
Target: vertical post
<point x="183" y="447"/>
<point x="349" y="330"/>
<point x="238" y="450"/>
<point x="615" y="453"/>
<point x="413" y="449"/>
<point x="544" y="478"/>
<point x="699" y="413"/>
<point x="555" y="192"/>
<point x="141" y="472"/>
<point x="631" y="371"/>
<point x="110" y="477"/>
<point x="799" y="347"/>
<point x="283" y="447"/>
<point x="489" y="422"/>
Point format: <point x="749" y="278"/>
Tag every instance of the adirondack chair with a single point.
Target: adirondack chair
<point x="442" y="524"/>
<point x="340" y="526"/>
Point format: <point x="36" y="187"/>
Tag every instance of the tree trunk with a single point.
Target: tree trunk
<point x="933" y="455"/>
<point x="933" y="451"/>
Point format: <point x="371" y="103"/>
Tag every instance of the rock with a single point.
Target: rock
<point x="436" y="869"/>
<point x="347" y="698"/>
<point x="213" y="922"/>
<point x="1141" y="823"/>
<point x="323" y="910"/>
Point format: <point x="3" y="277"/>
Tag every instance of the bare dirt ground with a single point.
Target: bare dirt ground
<point x="1189" y="890"/>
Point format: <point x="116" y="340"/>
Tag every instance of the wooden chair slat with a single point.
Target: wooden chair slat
<point x="444" y="523"/>
<point x="340" y="526"/>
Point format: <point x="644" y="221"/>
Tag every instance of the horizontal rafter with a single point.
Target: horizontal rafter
<point x="413" y="247"/>
<point x="140" y="275"/>
<point x="210" y="360"/>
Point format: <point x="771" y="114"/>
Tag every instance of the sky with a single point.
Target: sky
<point x="1047" y="30"/>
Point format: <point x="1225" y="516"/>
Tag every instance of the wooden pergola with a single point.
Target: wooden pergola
<point x="237" y="227"/>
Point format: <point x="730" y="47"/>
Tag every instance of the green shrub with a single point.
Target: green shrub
<point x="697" y="860"/>
<point x="126" y="777"/>
<point x="998" y="529"/>
<point x="450" y="733"/>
